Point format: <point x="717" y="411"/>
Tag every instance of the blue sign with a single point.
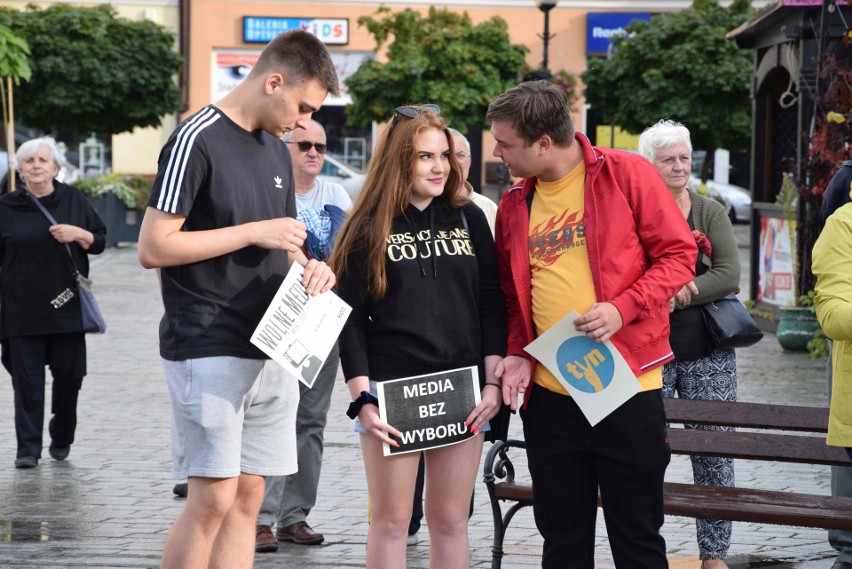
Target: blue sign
<point x="602" y="27"/>
<point x="585" y="364"/>
<point x="258" y="29"/>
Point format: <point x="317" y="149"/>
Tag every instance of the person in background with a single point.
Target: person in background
<point x="41" y="323"/>
<point x="436" y="308"/>
<point x="592" y="230"/>
<point x="489" y="208"/>
<point x="837" y="194"/>
<point x="487" y="205"/>
<point x="288" y="500"/>
<point x="221" y="227"/>
<point x="699" y="371"/>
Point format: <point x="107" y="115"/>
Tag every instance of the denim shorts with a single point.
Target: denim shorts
<point x="232" y="415"/>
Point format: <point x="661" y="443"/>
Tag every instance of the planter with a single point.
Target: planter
<point x="796" y="327"/>
<point x="122" y="223"/>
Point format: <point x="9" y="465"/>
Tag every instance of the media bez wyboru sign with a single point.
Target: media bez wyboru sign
<point x="429" y="410"/>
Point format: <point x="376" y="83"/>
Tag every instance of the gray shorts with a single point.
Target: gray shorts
<point x="232" y="415"/>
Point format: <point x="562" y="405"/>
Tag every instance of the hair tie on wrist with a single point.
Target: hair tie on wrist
<point x="497" y="385"/>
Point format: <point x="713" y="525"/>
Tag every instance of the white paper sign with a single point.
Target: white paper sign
<point x="595" y="375"/>
<point x="298" y="330"/>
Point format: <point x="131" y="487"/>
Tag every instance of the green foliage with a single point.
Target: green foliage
<point x="818" y="345"/>
<point x="758" y="312"/>
<point x="563" y="79"/>
<point x="807" y="299"/>
<point x="679" y="66"/>
<point x="94" y="71"/>
<point x="442" y="59"/>
<point x="13" y="56"/>
<point x="131" y="190"/>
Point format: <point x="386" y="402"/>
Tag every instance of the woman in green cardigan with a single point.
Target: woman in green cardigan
<point x="699" y="371"/>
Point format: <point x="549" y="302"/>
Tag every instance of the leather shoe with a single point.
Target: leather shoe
<point x="59" y="453"/>
<point x="265" y="542"/>
<point x="26" y="462"/>
<point x="841" y="565"/>
<point x="300" y="533"/>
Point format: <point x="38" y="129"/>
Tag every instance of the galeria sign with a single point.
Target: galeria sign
<point x="429" y="410"/>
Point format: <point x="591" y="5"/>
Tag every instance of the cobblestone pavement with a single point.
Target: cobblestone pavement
<point x="110" y="504"/>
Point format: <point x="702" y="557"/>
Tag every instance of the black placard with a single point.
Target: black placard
<point x="429" y="410"/>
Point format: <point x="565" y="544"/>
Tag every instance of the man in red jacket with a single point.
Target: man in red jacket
<point x="592" y="230"/>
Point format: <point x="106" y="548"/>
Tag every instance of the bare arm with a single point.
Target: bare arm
<point x="163" y="244"/>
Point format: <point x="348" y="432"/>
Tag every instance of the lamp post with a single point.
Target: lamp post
<point x="546" y="6"/>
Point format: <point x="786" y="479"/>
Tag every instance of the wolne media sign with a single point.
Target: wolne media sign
<point x="429" y="410"/>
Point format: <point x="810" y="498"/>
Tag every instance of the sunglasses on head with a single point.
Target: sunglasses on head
<point x="305" y="146"/>
<point x="411" y="112"/>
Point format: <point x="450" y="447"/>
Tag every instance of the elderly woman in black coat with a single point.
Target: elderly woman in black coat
<point x="40" y="321"/>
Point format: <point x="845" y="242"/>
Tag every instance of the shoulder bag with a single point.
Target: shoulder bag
<point x="93" y="320"/>
<point x="729" y="324"/>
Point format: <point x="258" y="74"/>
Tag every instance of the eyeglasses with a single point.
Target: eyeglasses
<point x="411" y="112"/>
<point x="462" y="155"/>
<point x="305" y="146"/>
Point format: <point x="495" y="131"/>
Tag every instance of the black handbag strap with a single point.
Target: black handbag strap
<point x="53" y="221"/>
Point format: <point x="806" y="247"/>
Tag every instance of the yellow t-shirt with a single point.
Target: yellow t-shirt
<point x="559" y="264"/>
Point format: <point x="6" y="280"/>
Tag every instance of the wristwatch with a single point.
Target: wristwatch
<point x="366" y="398"/>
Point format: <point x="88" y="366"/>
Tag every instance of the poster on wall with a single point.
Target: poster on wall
<point x="775" y="261"/>
<point x="231" y="66"/>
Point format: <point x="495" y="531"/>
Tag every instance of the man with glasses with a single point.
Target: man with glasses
<point x="287" y="500"/>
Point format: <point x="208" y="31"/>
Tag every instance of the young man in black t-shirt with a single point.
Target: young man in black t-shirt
<point x="220" y="225"/>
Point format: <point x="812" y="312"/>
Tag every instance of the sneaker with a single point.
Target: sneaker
<point x="181" y="489"/>
<point x="26" y="462"/>
<point x="59" y="453"/>
<point x="413" y="539"/>
<point x="265" y="542"/>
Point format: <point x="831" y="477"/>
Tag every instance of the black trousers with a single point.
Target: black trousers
<point x="625" y="456"/>
<point x="26" y="357"/>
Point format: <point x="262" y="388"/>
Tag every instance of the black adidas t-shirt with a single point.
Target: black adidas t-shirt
<point x="218" y="175"/>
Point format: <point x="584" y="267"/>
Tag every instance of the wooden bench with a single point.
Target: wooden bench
<point x="766" y="438"/>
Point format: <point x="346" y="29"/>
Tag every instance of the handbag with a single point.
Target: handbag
<point x="729" y="324"/>
<point x="90" y="312"/>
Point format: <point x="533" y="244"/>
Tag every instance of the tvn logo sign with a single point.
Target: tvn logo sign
<point x="586" y="365"/>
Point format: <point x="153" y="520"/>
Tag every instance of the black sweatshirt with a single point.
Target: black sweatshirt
<point x="440" y="313"/>
<point x="35" y="268"/>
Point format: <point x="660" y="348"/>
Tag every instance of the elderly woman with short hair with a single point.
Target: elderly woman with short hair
<point x="699" y="371"/>
<point x="41" y="322"/>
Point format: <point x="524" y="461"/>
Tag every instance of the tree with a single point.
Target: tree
<point x="13" y="67"/>
<point x="94" y="71"/>
<point x="442" y="59"/>
<point x="680" y="66"/>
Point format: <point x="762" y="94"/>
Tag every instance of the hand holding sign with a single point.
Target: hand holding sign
<point x="600" y="322"/>
<point x="589" y="368"/>
<point x="429" y="410"/>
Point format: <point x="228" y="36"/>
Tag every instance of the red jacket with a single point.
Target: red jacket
<point x="641" y="252"/>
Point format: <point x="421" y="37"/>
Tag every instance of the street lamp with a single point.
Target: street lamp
<point x="546" y="6"/>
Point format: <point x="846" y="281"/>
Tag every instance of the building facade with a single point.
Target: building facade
<point x="221" y="39"/>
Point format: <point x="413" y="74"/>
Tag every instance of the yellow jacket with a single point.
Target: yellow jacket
<point x="832" y="265"/>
